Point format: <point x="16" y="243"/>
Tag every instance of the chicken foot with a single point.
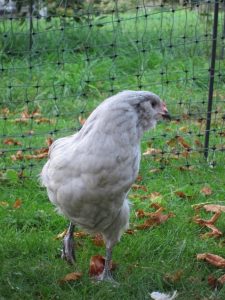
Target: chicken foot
<point x="68" y="252"/>
<point x="106" y="274"/>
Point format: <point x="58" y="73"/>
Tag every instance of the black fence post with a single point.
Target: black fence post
<point x="211" y="79"/>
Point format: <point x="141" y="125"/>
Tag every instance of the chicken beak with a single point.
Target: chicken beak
<point x="165" y="113"/>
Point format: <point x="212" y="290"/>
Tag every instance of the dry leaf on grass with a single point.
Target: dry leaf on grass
<point x="61" y="235"/>
<point x="206" y="191"/>
<point x="97" y="264"/>
<point x="130" y="231"/>
<point x="12" y="142"/>
<point x="221" y="280"/>
<point x="5" y="111"/>
<point x="74" y="276"/>
<point x="151" y="196"/>
<point x="215" y="282"/>
<point x="137" y="187"/>
<point x="36" y="156"/>
<point x="199" y="144"/>
<point x="17" y="156"/>
<point x="184" y="129"/>
<point x="17" y="203"/>
<point x="183" y="195"/>
<point x="215" y="232"/>
<point x="173" y="277"/>
<point x="178" y="140"/>
<point x="98" y="240"/>
<point x="152" y="151"/>
<point x="41" y="151"/>
<point x="25" y="116"/>
<point x="212" y="281"/>
<point x="78" y="234"/>
<point x="186" y="168"/>
<point x="49" y="141"/>
<point x="139" y="178"/>
<point x="209" y="207"/>
<point x="214" y="208"/>
<point x="4" y="203"/>
<point x="154" y="218"/>
<point x="212" y="259"/>
<point x="81" y="120"/>
<point x="44" y="120"/>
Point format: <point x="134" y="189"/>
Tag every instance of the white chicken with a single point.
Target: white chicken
<point x="88" y="175"/>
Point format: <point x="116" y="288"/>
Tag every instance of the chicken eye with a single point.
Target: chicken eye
<point x="154" y="103"/>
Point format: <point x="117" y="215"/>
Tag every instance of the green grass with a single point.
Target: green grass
<point x="30" y="267"/>
<point x="30" y="263"/>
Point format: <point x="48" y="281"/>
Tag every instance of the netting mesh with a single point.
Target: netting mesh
<point x="58" y="64"/>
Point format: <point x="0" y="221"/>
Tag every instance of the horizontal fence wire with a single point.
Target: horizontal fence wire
<point x="60" y="59"/>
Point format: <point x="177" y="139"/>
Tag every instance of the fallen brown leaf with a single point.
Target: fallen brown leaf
<point x="173" y="277"/>
<point x="81" y="120"/>
<point x="137" y="187"/>
<point x="97" y="263"/>
<point x="140" y="213"/>
<point x="154" y="195"/>
<point x="183" y="143"/>
<point x="212" y="259"/>
<point x="221" y="280"/>
<point x="26" y="116"/>
<point x="209" y="207"/>
<point x="152" y="151"/>
<point x="184" y="129"/>
<point x="154" y="218"/>
<point x="5" y="111"/>
<point x="49" y="141"/>
<point x="41" y="151"/>
<point x="43" y="120"/>
<point x="206" y="191"/>
<point x="198" y="143"/>
<point x="185" y="168"/>
<point x="183" y="195"/>
<point x="212" y="281"/>
<point x="17" y="203"/>
<point x="130" y="231"/>
<point x="36" y="156"/>
<point x="17" y="156"/>
<point x="151" y="196"/>
<point x="172" y="142"/>
<point x="11" y="141"/>
<point x="74" y="276"/>
<point x="215" y="232"/>
<point x="98" y="240"/>
<point x="214" y="207"/>
<point x="139" y="178"/>
<point x="80" y="234"/>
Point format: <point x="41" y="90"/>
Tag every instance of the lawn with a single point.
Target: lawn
<point x="48" y="92"/>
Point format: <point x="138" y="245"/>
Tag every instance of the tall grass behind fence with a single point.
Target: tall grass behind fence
<point x="55" y="70"/>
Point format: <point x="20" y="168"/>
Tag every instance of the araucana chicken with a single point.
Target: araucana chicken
<point x="88" y="175"/>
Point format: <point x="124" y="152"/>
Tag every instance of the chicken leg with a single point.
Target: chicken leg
<point x="106" y="274"/>
<point x="68" y="245"/>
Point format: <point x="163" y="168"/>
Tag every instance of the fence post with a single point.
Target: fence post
<point x="31" y="25"/>
<point x="211" y="79"/>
